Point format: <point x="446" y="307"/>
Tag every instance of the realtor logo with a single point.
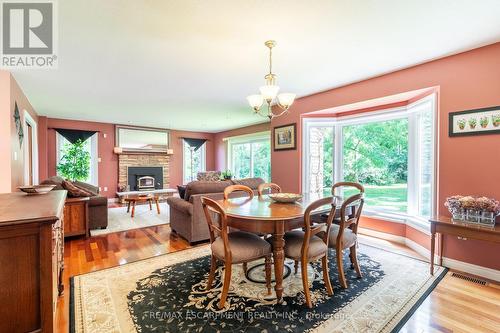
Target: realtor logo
<point x="28" y="31"/>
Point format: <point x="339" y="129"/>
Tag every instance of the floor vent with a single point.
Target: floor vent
<point x="469" y="278"/>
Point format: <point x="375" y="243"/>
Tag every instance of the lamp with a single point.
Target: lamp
<point x="269" y="92"/>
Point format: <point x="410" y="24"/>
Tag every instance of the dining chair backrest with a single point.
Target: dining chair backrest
<point x="216" y="228"/>
<point x="360" y="187"/>
<point x="234" y="188"/>
<point x="311" y="227"/>
<point x="272" y="186"/>
<point x="347" y="218"/>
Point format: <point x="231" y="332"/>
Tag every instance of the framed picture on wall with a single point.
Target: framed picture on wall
<point x="475" y="122"/>
<point x="285" y="137"/>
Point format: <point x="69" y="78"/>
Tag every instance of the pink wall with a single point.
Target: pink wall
<point x="220" y="145"/>
<point x="108" y="167"/>
<point x="17" y="96"/>
<point x="466" y="165"/>
<point x="11" y="152"/>
<point x="5" y="140"/>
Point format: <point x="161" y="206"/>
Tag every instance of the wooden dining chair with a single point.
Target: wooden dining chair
<point x="345" y="234"/>
<point x="340" y="185"/>
<point x="271" y="186"/>
<point x="232" y="248"/>
<point x="235" y="188"/>
<point x="305" y="245"/>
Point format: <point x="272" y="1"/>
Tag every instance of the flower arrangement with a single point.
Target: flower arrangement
<point x="461" y="123"/>
<point x="458" y="205"/>
<point x="472" y="123"/>
<point x="483" y="121"/>
<point x="495" y="119"/>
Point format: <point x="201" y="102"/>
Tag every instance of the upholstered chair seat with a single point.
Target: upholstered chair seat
<point x="294" y="241"/>
<point x="349" y="238"/>
<point x="244" y="246"/>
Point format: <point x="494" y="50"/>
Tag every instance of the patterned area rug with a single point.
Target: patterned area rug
<point x="167" y="294"/>
<point x="120" y="220"/>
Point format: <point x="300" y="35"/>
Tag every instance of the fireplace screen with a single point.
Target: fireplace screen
<point x="145" y="183"/>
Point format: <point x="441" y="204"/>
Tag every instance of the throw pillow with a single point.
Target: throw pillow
<point x="73" y="191"/>
<point x="182" y="190"/>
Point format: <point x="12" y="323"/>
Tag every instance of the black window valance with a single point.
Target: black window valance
<point x="75" y="135"/>
<point x="195" y="143"/>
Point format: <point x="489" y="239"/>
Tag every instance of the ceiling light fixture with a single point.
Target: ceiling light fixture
<point x="269" y="92"/>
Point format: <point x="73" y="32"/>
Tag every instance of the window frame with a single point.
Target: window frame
<point x="410" y="112"/>
<point x="203" y="161"/>
<point x="247" y="139"/>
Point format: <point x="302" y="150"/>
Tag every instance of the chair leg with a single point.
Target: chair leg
<point x="326" y="275"/>
<point x="340" y="266"/>
<point x="296" y="266"/>
<point x="225" y="286"/>
<point x="268" y="274"/>
<point x="245" y="268"/>
<point x="354" y="258"/>
<point x="211" y="275"/>
<point x="305" y="283"/>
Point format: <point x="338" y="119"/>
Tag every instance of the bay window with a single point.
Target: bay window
<point x="390" y="152"/>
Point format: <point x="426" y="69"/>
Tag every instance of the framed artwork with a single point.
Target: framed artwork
<point x="285" y="137"/>
<point x="19" y="126"/>
<point x="474" y="122"/>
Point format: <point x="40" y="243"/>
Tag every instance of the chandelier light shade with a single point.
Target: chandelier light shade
<point x="269" y="92"/>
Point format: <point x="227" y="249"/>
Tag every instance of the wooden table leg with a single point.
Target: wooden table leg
<point x="279" y="258"/>
<point x="128" y="207"/>
<point x="441" y="239"/>
<point x="133" y="209"/>
<point x="433" y="244"/>
<point x="150" y="204"/>
<point x="157" y="205"/>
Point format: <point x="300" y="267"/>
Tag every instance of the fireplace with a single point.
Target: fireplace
<point x="145" y="178"/>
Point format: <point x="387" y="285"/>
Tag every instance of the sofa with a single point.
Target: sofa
<point x="98" y="205"/>
<point x="187" y="218"/>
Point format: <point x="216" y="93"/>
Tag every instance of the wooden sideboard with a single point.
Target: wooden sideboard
<point x="31" y="260"/>
<point x="443" y="225"/>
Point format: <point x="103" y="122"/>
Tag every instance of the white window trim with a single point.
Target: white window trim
<point x="34" y="142"/>
<point x="243" y="139"/>
<point x="186" y="177"/>
<point x="407" y="111"/>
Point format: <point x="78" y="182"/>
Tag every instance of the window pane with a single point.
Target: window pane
<point x="241" y="160"/>
<point x="261" y="157"/>
<point x="376" y="155"/>
<point x="321" y="159"/>
<point x="426" y="152"/>
<point x="193" y="163"/>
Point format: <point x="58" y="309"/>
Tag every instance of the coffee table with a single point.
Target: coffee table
<point x="131" y="200"/>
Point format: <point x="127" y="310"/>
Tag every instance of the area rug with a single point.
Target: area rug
<point x="167" y="294"/>
<point x="120" y="220"/>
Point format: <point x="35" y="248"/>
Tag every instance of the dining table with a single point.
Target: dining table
<point x="262" y="215"/>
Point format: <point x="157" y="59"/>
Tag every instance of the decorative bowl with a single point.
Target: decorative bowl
<point x="285" y="197"/>
<point x="36" y="189"/>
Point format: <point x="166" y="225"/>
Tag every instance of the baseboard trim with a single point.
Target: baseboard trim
<point x="488" y="273"/>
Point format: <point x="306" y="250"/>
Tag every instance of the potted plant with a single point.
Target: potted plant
<point x="461" y="124"/>
<point x="484" y="122"/>
<point x="227" y="175"/>
<point x="75" y="162"/>
<point x="495" y="120"/>
<point x="472" y="123"/>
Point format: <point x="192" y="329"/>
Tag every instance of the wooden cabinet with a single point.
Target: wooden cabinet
<point x="76" y="217"/>
<point x="31" y="260"/>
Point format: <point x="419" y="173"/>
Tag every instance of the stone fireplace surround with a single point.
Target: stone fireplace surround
<point x="141" y="160"/>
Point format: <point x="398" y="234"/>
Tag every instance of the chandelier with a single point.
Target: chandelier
<point x="269" y="92"/>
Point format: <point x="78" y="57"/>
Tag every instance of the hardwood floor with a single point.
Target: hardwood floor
<point x="454" y="306"/>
